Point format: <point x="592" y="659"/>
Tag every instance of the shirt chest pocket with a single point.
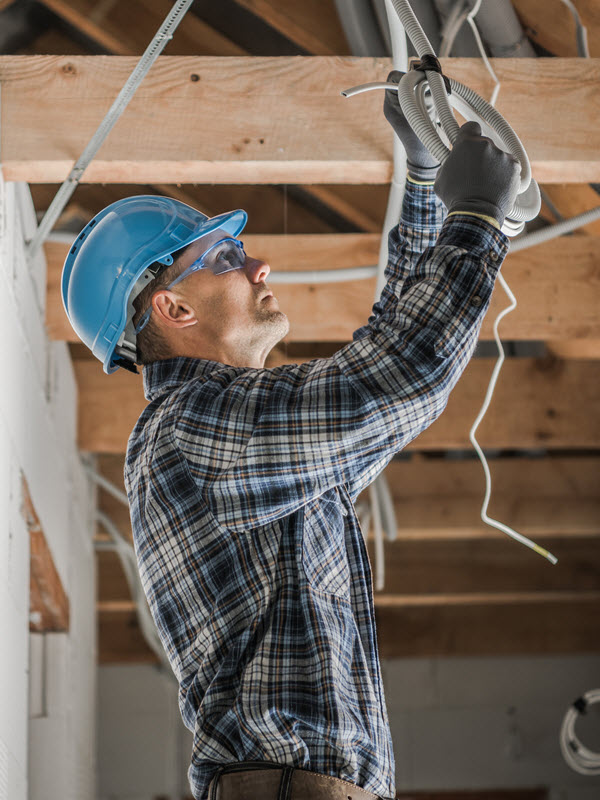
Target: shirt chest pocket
<point x="324" y="556"/>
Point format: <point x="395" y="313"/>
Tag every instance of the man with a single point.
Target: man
<point x="242" y="480"/>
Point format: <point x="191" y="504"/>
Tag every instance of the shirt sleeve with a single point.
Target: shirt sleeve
<point x="261" y="443"/>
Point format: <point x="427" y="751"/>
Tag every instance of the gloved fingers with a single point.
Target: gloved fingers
<point x="469" y="129"/>
<point x="395" y="76"/>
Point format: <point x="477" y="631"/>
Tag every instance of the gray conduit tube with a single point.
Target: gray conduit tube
<point x="501" y="30"/>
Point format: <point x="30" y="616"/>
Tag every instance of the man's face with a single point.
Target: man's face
<point x="235" y="310"/>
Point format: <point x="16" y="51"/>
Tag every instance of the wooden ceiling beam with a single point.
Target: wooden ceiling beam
<point x="550" y="24"/>
<point x="525" y="628"/>
<point x="288" y="123"/>
<point x="126" y="29"/>
<point x="556" y="284"/>
<point x="538" y="403"/>
<point x="561" y="625"/>
<point x="311" y="24"/>
<point x="440" y="499"/>
<point x="48" y="601"/>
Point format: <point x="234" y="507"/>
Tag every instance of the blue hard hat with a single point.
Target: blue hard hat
<point x="107" y="267"/>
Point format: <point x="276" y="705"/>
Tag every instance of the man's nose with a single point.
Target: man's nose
<point x="257" y="270"/>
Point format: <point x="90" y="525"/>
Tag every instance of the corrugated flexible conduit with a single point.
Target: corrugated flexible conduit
<point x="411" y="91"/>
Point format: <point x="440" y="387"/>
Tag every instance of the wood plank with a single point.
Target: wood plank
<point x="440" y="499"/>
<point x="120" y="640"/>
<point x="470" y="630"/>
<point x="538" y="403"/>
<point x="552" y="26"/>
<point x="311" y="24"/>
<point x="574" y="348"/>
<point x="49" y="604"/>
<point x="559" y="627"/>
<point x="573" y="199"/>
<point x="490" y="570"/>
<point x="549" y="305"/>
<point x="126" y="29"/>
<point x="240" y="143"/>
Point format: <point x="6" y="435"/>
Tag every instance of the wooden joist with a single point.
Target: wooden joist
<point x="48" y="601"/>
<point x="440" y="499"/>
<point x="312" y="24"/>
<point x="551" y="24"/>
<point x="562" y="625"/>
<point x="127" y="28"/>
<point x="556" y="285"/>
<point x="537" y="403"/>
<point x="286" y="122"/>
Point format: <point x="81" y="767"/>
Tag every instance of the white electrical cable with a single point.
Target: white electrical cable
<point x="580" y="30"/>
<point x="411" y="92"/>
<point x="471" y="20"/>
<point x="577" y="756"/>
<point x="486" y="403"/>
<point x="498" y="366"/>
<point x="454" y="23"/>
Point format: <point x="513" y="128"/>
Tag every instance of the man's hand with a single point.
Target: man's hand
<point x="422" y="166"/>
<point x="477" y="176"/>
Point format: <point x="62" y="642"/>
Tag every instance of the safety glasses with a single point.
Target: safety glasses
<point x="223" y="256"/>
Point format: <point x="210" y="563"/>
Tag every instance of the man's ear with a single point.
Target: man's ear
<point x="172" y="310"/>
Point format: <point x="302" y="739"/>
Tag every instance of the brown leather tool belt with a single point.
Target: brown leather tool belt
<point x="262" y="780"/>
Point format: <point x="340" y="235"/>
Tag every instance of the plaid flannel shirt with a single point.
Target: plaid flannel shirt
<point x="241" y="485"/>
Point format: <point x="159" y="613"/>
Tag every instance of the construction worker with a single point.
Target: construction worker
<point x="242" y="480"/>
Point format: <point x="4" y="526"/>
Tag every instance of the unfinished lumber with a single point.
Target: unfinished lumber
<point x="557" y="285"/>
<point x="538" y="403"/>
<point x="127" y="28"/>
<point x="562" y="625"/>
<point x="559" y="625"/>
<point x="288" y="124"/>
<point x="48" y="601"/>
<point x="437" y="499"/>
<point x="312" y="24"/>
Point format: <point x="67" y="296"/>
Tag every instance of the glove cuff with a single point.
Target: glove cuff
<point x="478" y="207"/>
<point x="422" y="174"/>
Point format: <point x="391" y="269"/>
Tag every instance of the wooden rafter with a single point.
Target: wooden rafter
<point x="320" y="137"/>
<point x="538" y="403"/>
<point x="311" y="24"/>
<point x="550" y="307"/>
<point x="49" y="604"/>
<point x="127" y="28"/>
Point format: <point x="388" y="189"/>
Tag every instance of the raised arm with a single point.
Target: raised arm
<point x="261" y="443"/>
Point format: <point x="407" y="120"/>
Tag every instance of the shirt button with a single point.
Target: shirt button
<point x="493" y="255"/>
<point x="476" y="301"/>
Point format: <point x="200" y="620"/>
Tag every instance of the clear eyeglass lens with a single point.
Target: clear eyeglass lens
<point x="224" y="257"/>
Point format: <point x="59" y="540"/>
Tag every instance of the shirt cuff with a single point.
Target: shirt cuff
<point x="421" y="207"/>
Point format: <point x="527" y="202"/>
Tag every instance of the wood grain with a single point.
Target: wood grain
<point x="288" y="123"/>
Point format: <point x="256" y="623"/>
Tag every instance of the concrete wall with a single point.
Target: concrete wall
<point x="47" y="681"/>
<point x="471" y="723"/>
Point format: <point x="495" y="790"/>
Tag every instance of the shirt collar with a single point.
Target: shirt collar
<point x="164" y="376"/>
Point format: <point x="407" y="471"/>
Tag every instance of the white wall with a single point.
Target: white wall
<point x="471" y="723"/>
<point x="47" y="681"/>
<point x="143" y="746"/>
